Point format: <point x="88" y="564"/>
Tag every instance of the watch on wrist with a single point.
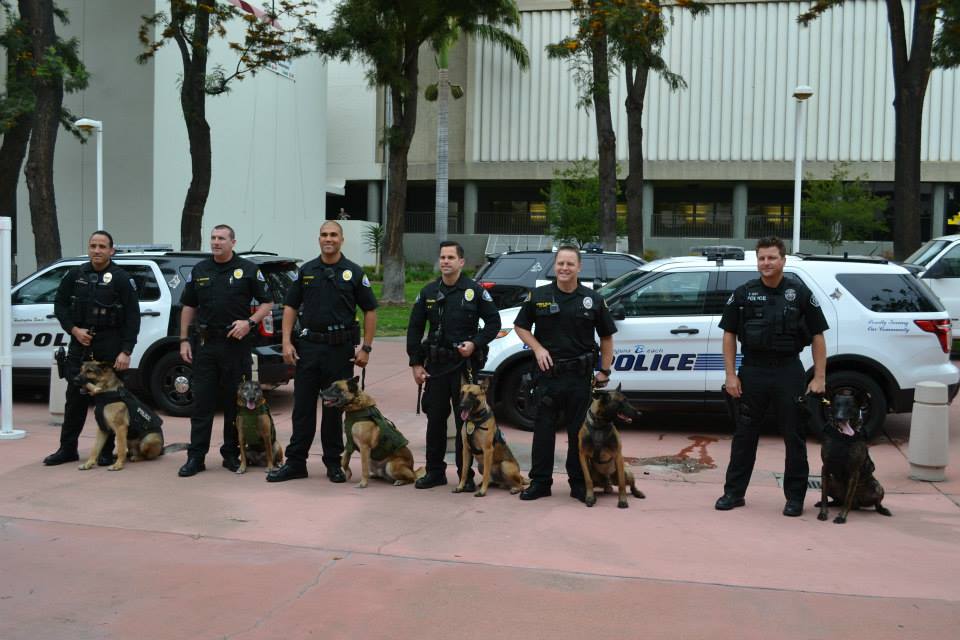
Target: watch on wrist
<point x="605" y="372"/>
<point x="252" y="323"/>
<point x="366" y="348"/>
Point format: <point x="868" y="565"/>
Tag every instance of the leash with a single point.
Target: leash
<point x="419" y="397"/>
<point x="363" y="378"/>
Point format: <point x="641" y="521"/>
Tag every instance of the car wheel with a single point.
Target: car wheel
<point x="171" y="385"/>
<point x="514" y="399"/>
<point x="869" y="395"/>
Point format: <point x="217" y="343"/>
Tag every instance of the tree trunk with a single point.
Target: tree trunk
<point x="43" y="140"/>
<point x="910" y="77"/>
<point x="443" y="154"/>
<point x="636" y="89"/>
<point x="404" y="103"/>
<point x="606" y="145"/>
<point x="193" y="103"/>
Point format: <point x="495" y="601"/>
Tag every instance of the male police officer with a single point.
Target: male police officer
<point x="326" y="293"/>
<point x="566" y="315"/>
<point x="97" y="305"/>
<point x="218" y="294"/>
<point x="774" y="318"/>
<point x="453" y="305"/>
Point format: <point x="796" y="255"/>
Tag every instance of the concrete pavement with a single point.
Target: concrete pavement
<point x="144" y="553"/>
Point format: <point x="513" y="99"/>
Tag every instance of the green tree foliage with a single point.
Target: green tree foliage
<point x="574" y="203"/>
<point x="274" y="37"/>
<point x="946" y="44"/>
<point x="373" y="240"/>
<point x="387" y="36"/>
<point x="841" y="209"/>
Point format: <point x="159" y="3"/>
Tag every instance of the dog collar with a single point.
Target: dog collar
<point x="479" y="420"/>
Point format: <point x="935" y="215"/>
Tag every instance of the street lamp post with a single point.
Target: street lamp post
<point x="88" y="125"/>
<point x="801" y="93"/>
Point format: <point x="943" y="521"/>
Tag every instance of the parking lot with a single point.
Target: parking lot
<point x="144" y="553"/>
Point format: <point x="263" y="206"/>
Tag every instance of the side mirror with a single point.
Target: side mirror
<point x="618" y="312"/>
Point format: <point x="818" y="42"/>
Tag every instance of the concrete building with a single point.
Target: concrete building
<point x="718" y="155"/>
<point x="268" y="134"/>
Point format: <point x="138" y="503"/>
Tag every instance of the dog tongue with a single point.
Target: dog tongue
<point x="845" y="428"/>
<point x="251" y="405"/>
<point x="464" y="414"/>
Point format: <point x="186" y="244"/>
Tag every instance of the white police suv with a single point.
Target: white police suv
<point x="887" y="333"/>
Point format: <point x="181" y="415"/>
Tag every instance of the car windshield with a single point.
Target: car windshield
<point x="612" y="288"/>
<point x="926" y="253"/>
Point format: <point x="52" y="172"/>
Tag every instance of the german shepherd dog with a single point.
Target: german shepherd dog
<point x="482" y="437"/>
<point x="847" y="474"/>
<point x="383" y="449"/>
<point x="256" y="434"/>
<point x="99" y="379"/>
<point x="601" y="456"/>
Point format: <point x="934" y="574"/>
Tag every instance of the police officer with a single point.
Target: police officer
<point x="218" y="296"/>
<point x="97" y="305"/>
<point x="326" y="294"/>
<point x="453" y="305"/>
<point x="566" y="315"/>
<point x="774" y="318"/>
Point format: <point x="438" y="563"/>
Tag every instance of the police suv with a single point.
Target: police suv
<point x="887" y="333"/>
<point x="155" y="365"/>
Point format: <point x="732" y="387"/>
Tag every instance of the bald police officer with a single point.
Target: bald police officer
<point x="564" y="316"/>
<point x="326" y="294"/>
<point x="97" y="305"/>
<point x="218" y="296"/>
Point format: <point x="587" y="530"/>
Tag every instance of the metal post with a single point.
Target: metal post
<point x="798" y="173"/>
<point x="7" y="432"/>
<point x="100" y="177"/>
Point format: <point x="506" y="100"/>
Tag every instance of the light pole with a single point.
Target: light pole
<point x="801" y="93"/>
<point x="88" y="125"/>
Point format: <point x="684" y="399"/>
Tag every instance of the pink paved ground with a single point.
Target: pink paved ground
<point x="143" y="553"/>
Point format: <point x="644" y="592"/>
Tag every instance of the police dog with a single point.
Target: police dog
<point x="99" y="379"/>
<point x="482" y="437"/>
<point x="847" y="474"/>
<point x="256" y="433"/>
<point x="601" y="456"/>
<point x="383" y="449"/>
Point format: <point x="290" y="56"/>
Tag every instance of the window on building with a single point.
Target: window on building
<point x="693" y="212"/>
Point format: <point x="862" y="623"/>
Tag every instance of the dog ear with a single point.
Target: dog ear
<point x="598" y="393"/>
<point x="352" y="384"/>
<point x="620" y="384"/>
<point x="484" y="384"/>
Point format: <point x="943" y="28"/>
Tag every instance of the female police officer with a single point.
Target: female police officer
<point x="566" y="315"/>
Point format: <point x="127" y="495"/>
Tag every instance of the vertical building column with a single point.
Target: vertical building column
<point x="740" y="210"/>
<point x="939" y="204"/>
<point x="470" y="208"/>
<point x="646" y="208"/>
<point x="373" y="202"/>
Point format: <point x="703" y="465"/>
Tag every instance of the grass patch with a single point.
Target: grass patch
<point x="392" y="319"/>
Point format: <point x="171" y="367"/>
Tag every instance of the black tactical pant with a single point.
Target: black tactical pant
<point x="218" y="367"/>
<point x="561" y="400"/>
<point x="105" y="348"/>
<point x="763" y="386"/>
<point x="320" y="365"/>
<point x="439" y="395"/>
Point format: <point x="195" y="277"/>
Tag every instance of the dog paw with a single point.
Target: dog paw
<point x="822" y="516"/>
<point x="241" y="471"/>
<point x="839" y="520"/>
<point x="622" y="504"/>
<point x="115" y="467"/>
<point x="591" y="500"/>
<point x="457" y="490"/>
<point x="361" y="485"/>
<point x="86" y="466"/>
<point x="480" y="494"/>
<point x="515" y="490"/>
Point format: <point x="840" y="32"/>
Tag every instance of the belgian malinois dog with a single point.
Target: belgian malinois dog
<point x="139" y="439"/>
<point x="847" y="474"/>
<point x="601" y="456"/>
<point x="383" y="449"/>
<point x="256" y="434"/>
<point x="482" y="438"/>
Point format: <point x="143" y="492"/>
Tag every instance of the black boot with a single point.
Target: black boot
<point x="192" y="467"/>
<point x="534" y="491"/>
<point x="336" y="475"/>
<point x="432" y="479"/>
<point x="61" y="455"/>
<point x="231" y="463"/>
<point x="285" y="472"/>
<point x="106" y="458"/>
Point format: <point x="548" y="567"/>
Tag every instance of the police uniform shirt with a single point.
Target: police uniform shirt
<point x="222" y="292"/>
<point x="453" y="313"/>
<point x="564" y="323"/>
<point x="327" y="295"/>
<point x="104" y="288"/>
<point x="790" y="301"/>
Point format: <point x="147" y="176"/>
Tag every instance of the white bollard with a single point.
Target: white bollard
<point x="929" y="433"/>
<point x="7" y="432"/>
<point x="58" y="394"/>
<point x="254" y="367"/>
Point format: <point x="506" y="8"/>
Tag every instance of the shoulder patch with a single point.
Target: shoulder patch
<point x="365" y="281"/>
<point x="189" y="276"/>
<point x="486" y="296"/>
<point x="133" y="285"/>
<point x="260" y="276"/>
<point x="813" y="301"/>
<point x="296" y="275"/>
<point x="730" y="299"/>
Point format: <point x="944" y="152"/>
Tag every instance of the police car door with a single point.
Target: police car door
<point x="36" y="332"/>
<point x="659" y="345"/>
<point x="154" y="295"/>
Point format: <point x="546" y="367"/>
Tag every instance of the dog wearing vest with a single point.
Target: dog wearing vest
<point x="136" y="427"/>
<point x="383" y="449"/>
<point x="482" y="438"/>
<point x="847" y="474"/>
<point x="256" y="433"/>
<point x="601" y="454"/>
